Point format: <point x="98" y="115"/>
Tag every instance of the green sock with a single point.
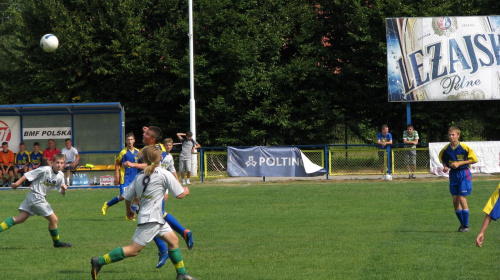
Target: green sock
<point x="115" y="255"/>
<point x="7" y="224"/>
<point x="176" y="258"/>
<point x="55" y="236"/>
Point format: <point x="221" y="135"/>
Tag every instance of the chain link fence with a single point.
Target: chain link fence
<point x="215" y="164"/>
<point x="345" y="160"/>
<point x="356" y="160"/>
<point x="405" y="159"/>
<point x="315" y="156"/>
<point x="349" y="160"/>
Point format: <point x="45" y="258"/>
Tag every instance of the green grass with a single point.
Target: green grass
<point x="269" y="230"/>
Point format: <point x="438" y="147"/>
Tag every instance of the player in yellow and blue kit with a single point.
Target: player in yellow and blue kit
<point x="124" y="174"/>
<point x="36" y="156"/>
<point x="21" y="161"/>
<point x="457" y="157"/>
<point x="492" y="211"/>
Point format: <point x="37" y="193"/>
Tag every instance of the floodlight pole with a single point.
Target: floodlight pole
<point x="192" y="106"/>
<point x="192" y="103"/>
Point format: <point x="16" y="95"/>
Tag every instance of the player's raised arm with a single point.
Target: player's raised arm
<point x="181" y="135"/>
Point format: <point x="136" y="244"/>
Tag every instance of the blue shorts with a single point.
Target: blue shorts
<point x="460" y="182"/>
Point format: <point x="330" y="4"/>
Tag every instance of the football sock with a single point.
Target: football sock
<point x="55" y="236"/>
<point x="7" y="224"/>
<point x="115" y="255"/>
<point x="174" y="224"/>
<point x="162" y="246"/>
<point x="460" y="216"/>
<point x="114" y="201"/>
<point x="176" y="257"/>
<point x="465" y="217"/>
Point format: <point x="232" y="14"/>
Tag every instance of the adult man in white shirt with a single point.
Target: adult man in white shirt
<point x="72" y="159"/>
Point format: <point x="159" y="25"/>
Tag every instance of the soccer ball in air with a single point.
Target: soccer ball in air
<point x="49" y="42"/>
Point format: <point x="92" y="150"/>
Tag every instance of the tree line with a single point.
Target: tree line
<point x="269" y="72"/>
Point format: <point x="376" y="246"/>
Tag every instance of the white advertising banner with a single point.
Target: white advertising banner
<point x="488" y="155"/>
<point x="443" y="58"/>
<point x="46" y="132"/>
<point x="10" y="127"/>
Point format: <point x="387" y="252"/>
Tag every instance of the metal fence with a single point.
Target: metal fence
<point x="403" y="160"/>
<point x="337" y="159"/>
<point x="356" y="160"/>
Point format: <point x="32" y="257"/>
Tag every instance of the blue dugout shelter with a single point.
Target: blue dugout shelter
<point x="96" y="129"/>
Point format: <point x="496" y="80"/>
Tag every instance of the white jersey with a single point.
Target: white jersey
<point x="168" y="163"/>
<point x="43" y="179"/>
<point x="70" y="154"/>
<point x="151" y="191"/>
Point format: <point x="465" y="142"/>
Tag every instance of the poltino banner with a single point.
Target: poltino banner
<point x="270" y="162"/>
<point x="443" y="58"/>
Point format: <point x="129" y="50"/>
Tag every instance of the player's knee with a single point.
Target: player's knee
<point x="173" y="240"/>
<point x="53" y="219"/>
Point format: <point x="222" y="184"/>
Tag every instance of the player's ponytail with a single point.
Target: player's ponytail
<point x="150" y="155"/>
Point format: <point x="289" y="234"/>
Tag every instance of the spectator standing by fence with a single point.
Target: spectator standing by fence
<point x="384" y="140"/>
<point x="188" y="147"/>
<point x="410" y="138"/>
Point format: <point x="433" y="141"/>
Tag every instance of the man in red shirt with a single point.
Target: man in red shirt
<point x="49" y="153"/>
<point x="7" y="164"/>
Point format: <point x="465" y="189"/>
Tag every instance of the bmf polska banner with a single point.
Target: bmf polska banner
<point x="443" y="58"/>
<point x="270" y="162"/>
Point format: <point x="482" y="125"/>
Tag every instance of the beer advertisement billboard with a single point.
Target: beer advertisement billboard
<point x="443" y="58"/>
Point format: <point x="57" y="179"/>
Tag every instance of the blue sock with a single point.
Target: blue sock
<point x="174" y="224"/>
<point x="465" y="217"/>
<point x="113" y="201"/>
<point x="460" y="216"/>
<point x="162" y="246"/>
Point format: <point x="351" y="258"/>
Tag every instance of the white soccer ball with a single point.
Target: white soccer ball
<point x="49" y="42"/>
<point x="387" y="177"/>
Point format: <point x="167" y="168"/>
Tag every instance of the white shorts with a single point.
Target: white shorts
<point x="146" y="232"/>
<point x="36" y="204"/>
<point x="185" y="165"/>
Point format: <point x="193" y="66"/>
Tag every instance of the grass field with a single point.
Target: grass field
<point x="269" y="230"/>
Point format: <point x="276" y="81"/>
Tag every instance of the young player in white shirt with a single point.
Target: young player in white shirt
<point x="42" y="180"/>
<point x="150" y="185"/>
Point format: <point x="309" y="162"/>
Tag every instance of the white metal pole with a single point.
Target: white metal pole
<point x="192" y="103"/>
<point x="192" y="106"/>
